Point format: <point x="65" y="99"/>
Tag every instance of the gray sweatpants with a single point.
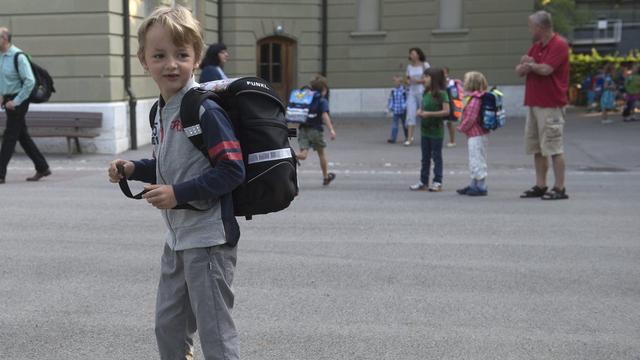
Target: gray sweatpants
<point x="195" y="294"/>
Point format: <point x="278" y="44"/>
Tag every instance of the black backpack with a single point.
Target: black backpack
<point x="43" y="87"/>
<point x="257" y="115"/>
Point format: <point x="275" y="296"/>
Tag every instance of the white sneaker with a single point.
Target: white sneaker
<point x="451" y="145"/>
<point x="407" y="143"/>
<point x="435" y="187"/>
<point x="607" y="121"/>
<point x="418" y="186"/>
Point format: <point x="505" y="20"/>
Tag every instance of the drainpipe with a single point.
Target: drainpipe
<point x="219" y="21"/>
<point x="323" y="61"/>
<point x="126" y="25"/>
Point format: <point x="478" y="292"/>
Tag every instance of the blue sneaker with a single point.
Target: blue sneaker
<point x="474" y="191"/>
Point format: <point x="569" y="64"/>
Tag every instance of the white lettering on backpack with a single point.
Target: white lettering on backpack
<point x="257" y="84"/>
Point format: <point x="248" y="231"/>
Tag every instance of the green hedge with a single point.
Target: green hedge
<point x="584" y="64"/>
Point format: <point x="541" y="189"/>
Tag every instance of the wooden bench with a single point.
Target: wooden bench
<point x="72" y="125"/>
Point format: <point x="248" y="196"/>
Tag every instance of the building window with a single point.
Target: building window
<point x="271" y="62"/>
<point x="150" y="5"/>
<point x="368" y="15"/>
<point x="451" y="14"/>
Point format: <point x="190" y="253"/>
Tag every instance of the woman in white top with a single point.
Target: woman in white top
<point x="415" y="69"/>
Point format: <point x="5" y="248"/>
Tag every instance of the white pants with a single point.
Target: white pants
<point x="414" y="102"/>
<point x="478" y="156"/>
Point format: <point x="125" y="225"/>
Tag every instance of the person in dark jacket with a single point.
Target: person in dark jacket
<point x="213" y="62"/>
<point x="16" y="82"/>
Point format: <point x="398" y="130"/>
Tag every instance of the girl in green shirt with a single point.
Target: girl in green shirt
<point x="632" y="87"/>
<point x="434" y="111"/>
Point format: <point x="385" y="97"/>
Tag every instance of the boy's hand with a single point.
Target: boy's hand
<point x="332" y="134"/>
<point x="160" y="196"/>
<point x="114" y="177"/>
<point x="10" y="105"/>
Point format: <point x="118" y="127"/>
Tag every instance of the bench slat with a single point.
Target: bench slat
<point x="59" y="119"/>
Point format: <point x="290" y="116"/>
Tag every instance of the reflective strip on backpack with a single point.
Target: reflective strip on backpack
<point x="270" y="155"/>
<point x="193" y="130"/>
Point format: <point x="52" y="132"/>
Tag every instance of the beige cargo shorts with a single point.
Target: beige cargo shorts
<point x="544" y="131"/>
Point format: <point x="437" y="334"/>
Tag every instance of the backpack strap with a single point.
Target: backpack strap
<point x="152" y="114"/>
<point x="15" y="64"/>
<point x="190" y="116"/>
<point x="190" y="119"/>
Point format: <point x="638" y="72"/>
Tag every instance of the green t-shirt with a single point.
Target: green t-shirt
<point x="433" y="127"/>
<point x="632" y="84"/>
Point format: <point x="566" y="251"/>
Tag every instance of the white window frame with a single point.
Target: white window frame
<point x="451" y="17"/>
<point x="368" y="18"/>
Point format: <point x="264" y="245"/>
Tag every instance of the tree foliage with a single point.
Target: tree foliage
<point x="565" y="14"/>
<point x="588" y="64"/>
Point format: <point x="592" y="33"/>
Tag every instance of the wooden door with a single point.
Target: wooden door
<point x="275" y="63"/>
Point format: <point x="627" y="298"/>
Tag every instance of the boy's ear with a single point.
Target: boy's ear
<point x="143" y="62"/>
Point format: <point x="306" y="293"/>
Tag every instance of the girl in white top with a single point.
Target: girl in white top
<point x="415" y="69"/>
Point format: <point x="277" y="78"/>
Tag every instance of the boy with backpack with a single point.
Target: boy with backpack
<point x="199" y="255"/>
<point x="311" y="132"/>
<point x="455" y="90"/>
<point x="397" y="106"/>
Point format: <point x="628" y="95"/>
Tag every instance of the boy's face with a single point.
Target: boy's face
<point x="397" y="81"/>
<point x="170" y="65"/>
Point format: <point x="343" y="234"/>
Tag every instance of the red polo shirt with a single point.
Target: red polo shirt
<point x="549" y="91"/>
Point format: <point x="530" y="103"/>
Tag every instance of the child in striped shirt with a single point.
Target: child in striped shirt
<point x="475" y="85"/>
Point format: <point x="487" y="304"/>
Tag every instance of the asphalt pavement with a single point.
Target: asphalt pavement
<point x="361" y="269"/>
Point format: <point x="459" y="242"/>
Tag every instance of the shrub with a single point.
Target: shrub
<point x="585" y="64"/>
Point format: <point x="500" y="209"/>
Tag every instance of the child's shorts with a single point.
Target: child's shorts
<point x="544" y="131"/>
<point x="309" y="137"/>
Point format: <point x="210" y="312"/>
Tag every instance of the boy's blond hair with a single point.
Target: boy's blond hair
<point x="475" y="81"/>
<point x="179" y="21"/>
<point x="319" y="83"/>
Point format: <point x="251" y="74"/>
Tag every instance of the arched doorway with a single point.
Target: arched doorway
<point x="276" y="63"/>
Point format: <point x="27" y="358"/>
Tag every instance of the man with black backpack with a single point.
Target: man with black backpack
<point x="16" y="85"/>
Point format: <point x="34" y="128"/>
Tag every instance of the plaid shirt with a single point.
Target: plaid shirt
<point x="470" y="124"/>
<point x="398" y="101"/>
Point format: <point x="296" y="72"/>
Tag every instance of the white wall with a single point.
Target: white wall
<point x="114" y="135"/>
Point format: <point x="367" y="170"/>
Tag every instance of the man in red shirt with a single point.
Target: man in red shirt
<point x="546" y="67"/>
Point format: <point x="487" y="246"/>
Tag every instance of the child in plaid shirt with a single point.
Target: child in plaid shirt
<point x="397" y="106"/>
<point x="475" y="85"/>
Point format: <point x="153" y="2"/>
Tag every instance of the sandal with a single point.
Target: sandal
<point x="534" y="192"/>
<point x="328" y="179"/>
<point x="555" y="194"/>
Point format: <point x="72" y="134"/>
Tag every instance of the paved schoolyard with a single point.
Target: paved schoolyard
<point x="363" y="269"/>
